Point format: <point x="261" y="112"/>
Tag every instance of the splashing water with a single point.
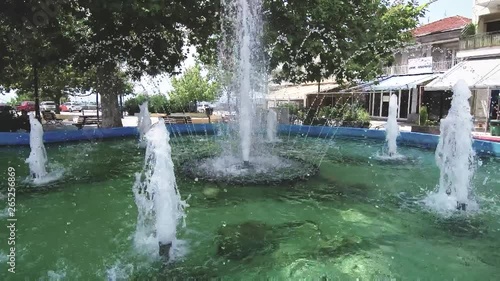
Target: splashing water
<point x="392" y="127"/>
<point x="272" y="123"/>
<point x="242" y="61"/>
<point x="247" y="35"/>
<point x="455" y="156"/>
<point x="37" y="160"/>
<point x="144" y="123"/>
<point x="159" y="204"/>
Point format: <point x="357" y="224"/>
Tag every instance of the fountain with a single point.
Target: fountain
<point x="272" y="123"/>
<point x="251" y="160"/>
<point x="455" y="155"/>
<point x="37" y="159"/>
<point x="144" y="123"/>
<point x="159" y="204"/>
<point x="392" y="127"/>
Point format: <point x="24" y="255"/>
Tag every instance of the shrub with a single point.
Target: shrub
<point x="293" y="108"/>
<point x="424" y="116"/>
<point x="157" y="104"/>
<point x="344" y="114"/>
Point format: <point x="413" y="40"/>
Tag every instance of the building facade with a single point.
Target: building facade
<point x="480" y="63"/>
<point x="433" y="52"/>
<point x="484" y="47"/>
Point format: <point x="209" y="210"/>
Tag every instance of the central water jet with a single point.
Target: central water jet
<point x="248" y="36"/>
<point x="246" y="157"/>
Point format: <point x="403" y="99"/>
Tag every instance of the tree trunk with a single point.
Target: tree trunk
<point x="108" y="85"/>
<point x="57" y="101"/>
<point x="111" y="116"/>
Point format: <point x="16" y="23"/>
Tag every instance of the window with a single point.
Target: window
<point x="493" y="26"/>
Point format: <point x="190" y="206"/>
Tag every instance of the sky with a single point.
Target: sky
<point x="447" y="8"/>
<point x="436" y="11"/>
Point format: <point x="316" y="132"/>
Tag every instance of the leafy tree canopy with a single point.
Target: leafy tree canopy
<point x="192" y="87"/>
<point x="313" y="39"/>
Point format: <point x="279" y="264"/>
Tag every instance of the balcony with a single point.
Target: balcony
<point x="438" y="66"/>
<point x="487" y="3"/>
<point x="484" y="40"/>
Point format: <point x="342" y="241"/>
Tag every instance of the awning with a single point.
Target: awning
<point x="363" y="85"/>
<point x="404" y="82"/>
<point x="299" y="92"/>
<point x="471" y="71"/>
<point x="490" y="81"/>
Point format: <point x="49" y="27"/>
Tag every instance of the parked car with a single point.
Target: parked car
<point x="70" y="106"/>
<point x="47" y="106"/>
<point x="201" y="106"/>
<point x="26" y="106"/>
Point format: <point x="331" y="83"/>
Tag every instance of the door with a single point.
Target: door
<point x="494" y="105"/>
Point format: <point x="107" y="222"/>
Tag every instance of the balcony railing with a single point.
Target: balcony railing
<point x="483" y="40"/>
<point x="439" y="66"/>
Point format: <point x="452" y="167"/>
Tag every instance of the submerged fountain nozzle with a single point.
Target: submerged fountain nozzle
<point x="246" y="164"/>
<point x="461" y="206"/>
<point x="165" y="250"/>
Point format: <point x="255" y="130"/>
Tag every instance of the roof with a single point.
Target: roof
<point x="472" y="72"/>
<point x="403" y="82"/>
<point x="442" y="25"/>
<point x="299" y="92"/>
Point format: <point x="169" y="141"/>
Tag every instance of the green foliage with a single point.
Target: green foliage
<point x="55" y="83"/>
<point x="424" y="116"/>
<point x="156" y="104"/>
<point x="342" y="114"/>
<point x="293" y="108"/>
<point x="469" y="30"/>
<point x="112" y="39"/>
<point x="192" y="87"/>
<point x="132" y="104"/>
<point x="314" y="39"/>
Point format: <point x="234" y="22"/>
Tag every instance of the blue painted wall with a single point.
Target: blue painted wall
<point x="406" y="138"/>
<point x="412" y="139"/>
<point x="58" y="136"/>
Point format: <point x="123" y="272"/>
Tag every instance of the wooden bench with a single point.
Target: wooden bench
<point x="87" y="120"/>
<point x="178" y="120"/>
<point x="50" y="118"/>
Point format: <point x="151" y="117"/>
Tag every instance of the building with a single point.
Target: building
<point x="436" y="45"/>
<point x="303" y="95"/>
<point x="480" y="65"/>
<point x="433" y="52"/>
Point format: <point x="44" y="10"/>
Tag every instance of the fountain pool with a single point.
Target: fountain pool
<point x="357" y="218"/>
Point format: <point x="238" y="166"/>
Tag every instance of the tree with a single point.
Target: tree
<point x="309" y="40"/>
<point x="55" y="83"/>
<point x="140" y="37"/>
<point x="34" y="34"/>
<point x="192" y="87"/>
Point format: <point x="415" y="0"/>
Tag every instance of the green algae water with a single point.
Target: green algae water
<point x="359" y="218"/>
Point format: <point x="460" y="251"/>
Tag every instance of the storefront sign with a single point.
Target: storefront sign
<point x="420" y="65"/>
